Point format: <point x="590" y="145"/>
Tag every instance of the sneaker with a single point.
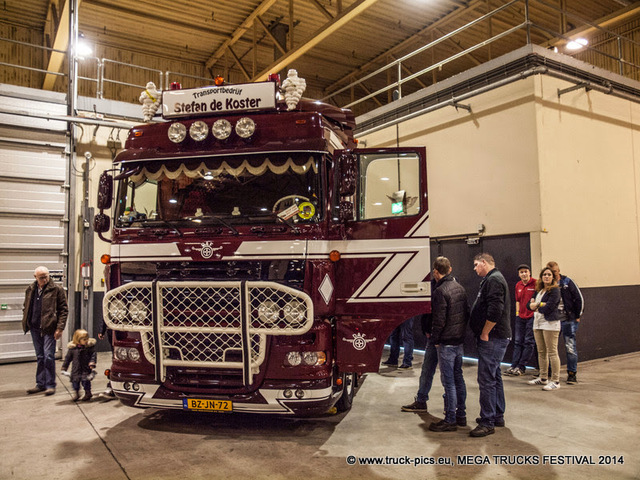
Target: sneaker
<point x="415" y="407"/>
<point x="517" y="372"/>
<point x="571" y="378"/>
<point x="404" y="366"/>
<point x="36" y="389"/>
<point x="389" y="363"/>
<point x="49" y="391"/>
<point x="538" y="381"/>
<point x="461" y="421"/>
<point x="75" y="396"/>
<point x="551" y="386"/>
<point x="443" y="426"/>
<point x="482" y="431"/>
<point x="496" y="423"/>
<point x="87" y="397"/>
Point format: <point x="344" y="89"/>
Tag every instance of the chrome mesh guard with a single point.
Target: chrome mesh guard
<point x="207" y="324"/>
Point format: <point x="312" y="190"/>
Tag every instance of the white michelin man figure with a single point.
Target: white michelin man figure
<point x="293" y="87"/>
<point x="150" y="100"/>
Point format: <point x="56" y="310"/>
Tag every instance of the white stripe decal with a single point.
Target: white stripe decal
<point x="404" y="260"/>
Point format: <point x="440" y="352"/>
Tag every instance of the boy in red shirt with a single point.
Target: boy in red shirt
<point x="524" y="343"/>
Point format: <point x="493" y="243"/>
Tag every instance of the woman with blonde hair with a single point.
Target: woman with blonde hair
<point x="546" y="329"/>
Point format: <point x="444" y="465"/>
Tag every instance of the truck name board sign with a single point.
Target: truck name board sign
<point x="208" y="100"/>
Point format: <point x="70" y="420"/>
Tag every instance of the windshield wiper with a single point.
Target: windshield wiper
<point x="167" y="223"/>
<point x="220" y="220"/>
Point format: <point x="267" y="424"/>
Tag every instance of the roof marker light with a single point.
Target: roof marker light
<point x="177" y="132"/>
<point x="221" y="129"/>
<point x="245" y="127"/>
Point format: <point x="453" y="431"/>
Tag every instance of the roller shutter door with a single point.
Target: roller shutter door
<point x="34" y="199"/>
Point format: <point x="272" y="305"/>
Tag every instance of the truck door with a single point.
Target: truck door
<point x="382" y="277"/>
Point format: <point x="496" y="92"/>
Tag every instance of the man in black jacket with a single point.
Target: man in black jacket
<point x="491" y="324"/>
<point x="45" y="316"/>
<point x="450" y="312"/>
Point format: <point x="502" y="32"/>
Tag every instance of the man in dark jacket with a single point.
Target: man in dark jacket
<point x="450" y="312"/>
<point x="45" y="315"/>
<point x="570" y="310"/>
<point x="491" y="325"/>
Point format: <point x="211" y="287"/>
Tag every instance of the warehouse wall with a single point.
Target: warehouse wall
<point x="563" y="170"/>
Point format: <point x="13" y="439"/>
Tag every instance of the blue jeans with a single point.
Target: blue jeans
<point x="428" y="371"/>
<point x="455" y="390"/>
<point x="86" y="384"/>
<point x="45" y="347"/>
<point x="402" y="333"/>
<point x="569" y="330"/>
<point x="524" y="343"/>
<point x="492" y="404"/>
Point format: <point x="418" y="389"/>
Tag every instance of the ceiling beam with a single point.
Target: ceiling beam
<point x="409" y="42"/>
<point x="60" y="42"/>
<point x="324" y="11"/>
<point x="318" y="36"/>
<point x="604" y="22"/>
<point x="239" y="32"/>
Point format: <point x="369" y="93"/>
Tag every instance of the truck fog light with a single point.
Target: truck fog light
<point x="198" y="131"/>
<point x="135" y="386"/>
<point x="127" y="386"/>
<point x="300" y="394"/>
<point x="268" y="312"/>
<point x="117" y="310"/>
<point x="245" y="127"/>
<point x="221" y="129"/>
<point x="177" y="132"/>
<point x="288" y="393"/>
<point x="138" y="311"/>
<point x="295" y="311"/>
<point x="314" y="358"/>
<point x="293" y="359"/>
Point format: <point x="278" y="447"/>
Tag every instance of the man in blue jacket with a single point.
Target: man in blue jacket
<point x="570" y="310"/>
<point x="491" y="324"/>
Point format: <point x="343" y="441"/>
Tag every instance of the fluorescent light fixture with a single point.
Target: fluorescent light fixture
<point x="577" y="44"/>
<point x="384" y="179"/>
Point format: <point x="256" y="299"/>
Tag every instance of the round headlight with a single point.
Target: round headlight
<point x="268" y="312"/>
<point x="134" y="354"/>
<point x="117" y="310"/>
<point x="120" y="353"/>
<point x="294" y="358"/>
<point x="177" y="132"/>
<point x="295" y="311"/>
<point x="198" y="130"/>
<point x="310" y="358"/>
<point x="245" y="127"/>
<point x="221" y="129"/>
<point x="138" y="311"/>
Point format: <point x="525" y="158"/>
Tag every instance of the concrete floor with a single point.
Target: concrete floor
<point x="596" y="420"/>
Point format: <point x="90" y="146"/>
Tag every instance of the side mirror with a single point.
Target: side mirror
<point x="348" y="174"/>
<point x="101" y="223"/>
<point x="105" y="191"/>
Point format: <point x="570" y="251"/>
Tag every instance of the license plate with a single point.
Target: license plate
<point x="207" y="405"/>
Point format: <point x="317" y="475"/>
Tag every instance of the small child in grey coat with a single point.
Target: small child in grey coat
<point x="82" y="357"/>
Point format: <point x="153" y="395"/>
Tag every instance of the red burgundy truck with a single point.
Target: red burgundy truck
<point x="259" y="259"/>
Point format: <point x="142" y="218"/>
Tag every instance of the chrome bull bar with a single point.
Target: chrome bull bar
<point x="207" y="324"/>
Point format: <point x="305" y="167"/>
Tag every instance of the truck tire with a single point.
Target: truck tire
<point x="349" y="382"/>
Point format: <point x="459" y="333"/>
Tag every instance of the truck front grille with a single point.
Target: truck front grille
<point x="220" y="325"/>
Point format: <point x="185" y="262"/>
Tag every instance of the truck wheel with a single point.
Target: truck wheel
<point x="349" y="382"/>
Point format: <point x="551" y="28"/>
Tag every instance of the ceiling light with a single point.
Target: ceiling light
<point x="577" y="44"/>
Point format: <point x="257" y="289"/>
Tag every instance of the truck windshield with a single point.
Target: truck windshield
<point x="265" y="188"/>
